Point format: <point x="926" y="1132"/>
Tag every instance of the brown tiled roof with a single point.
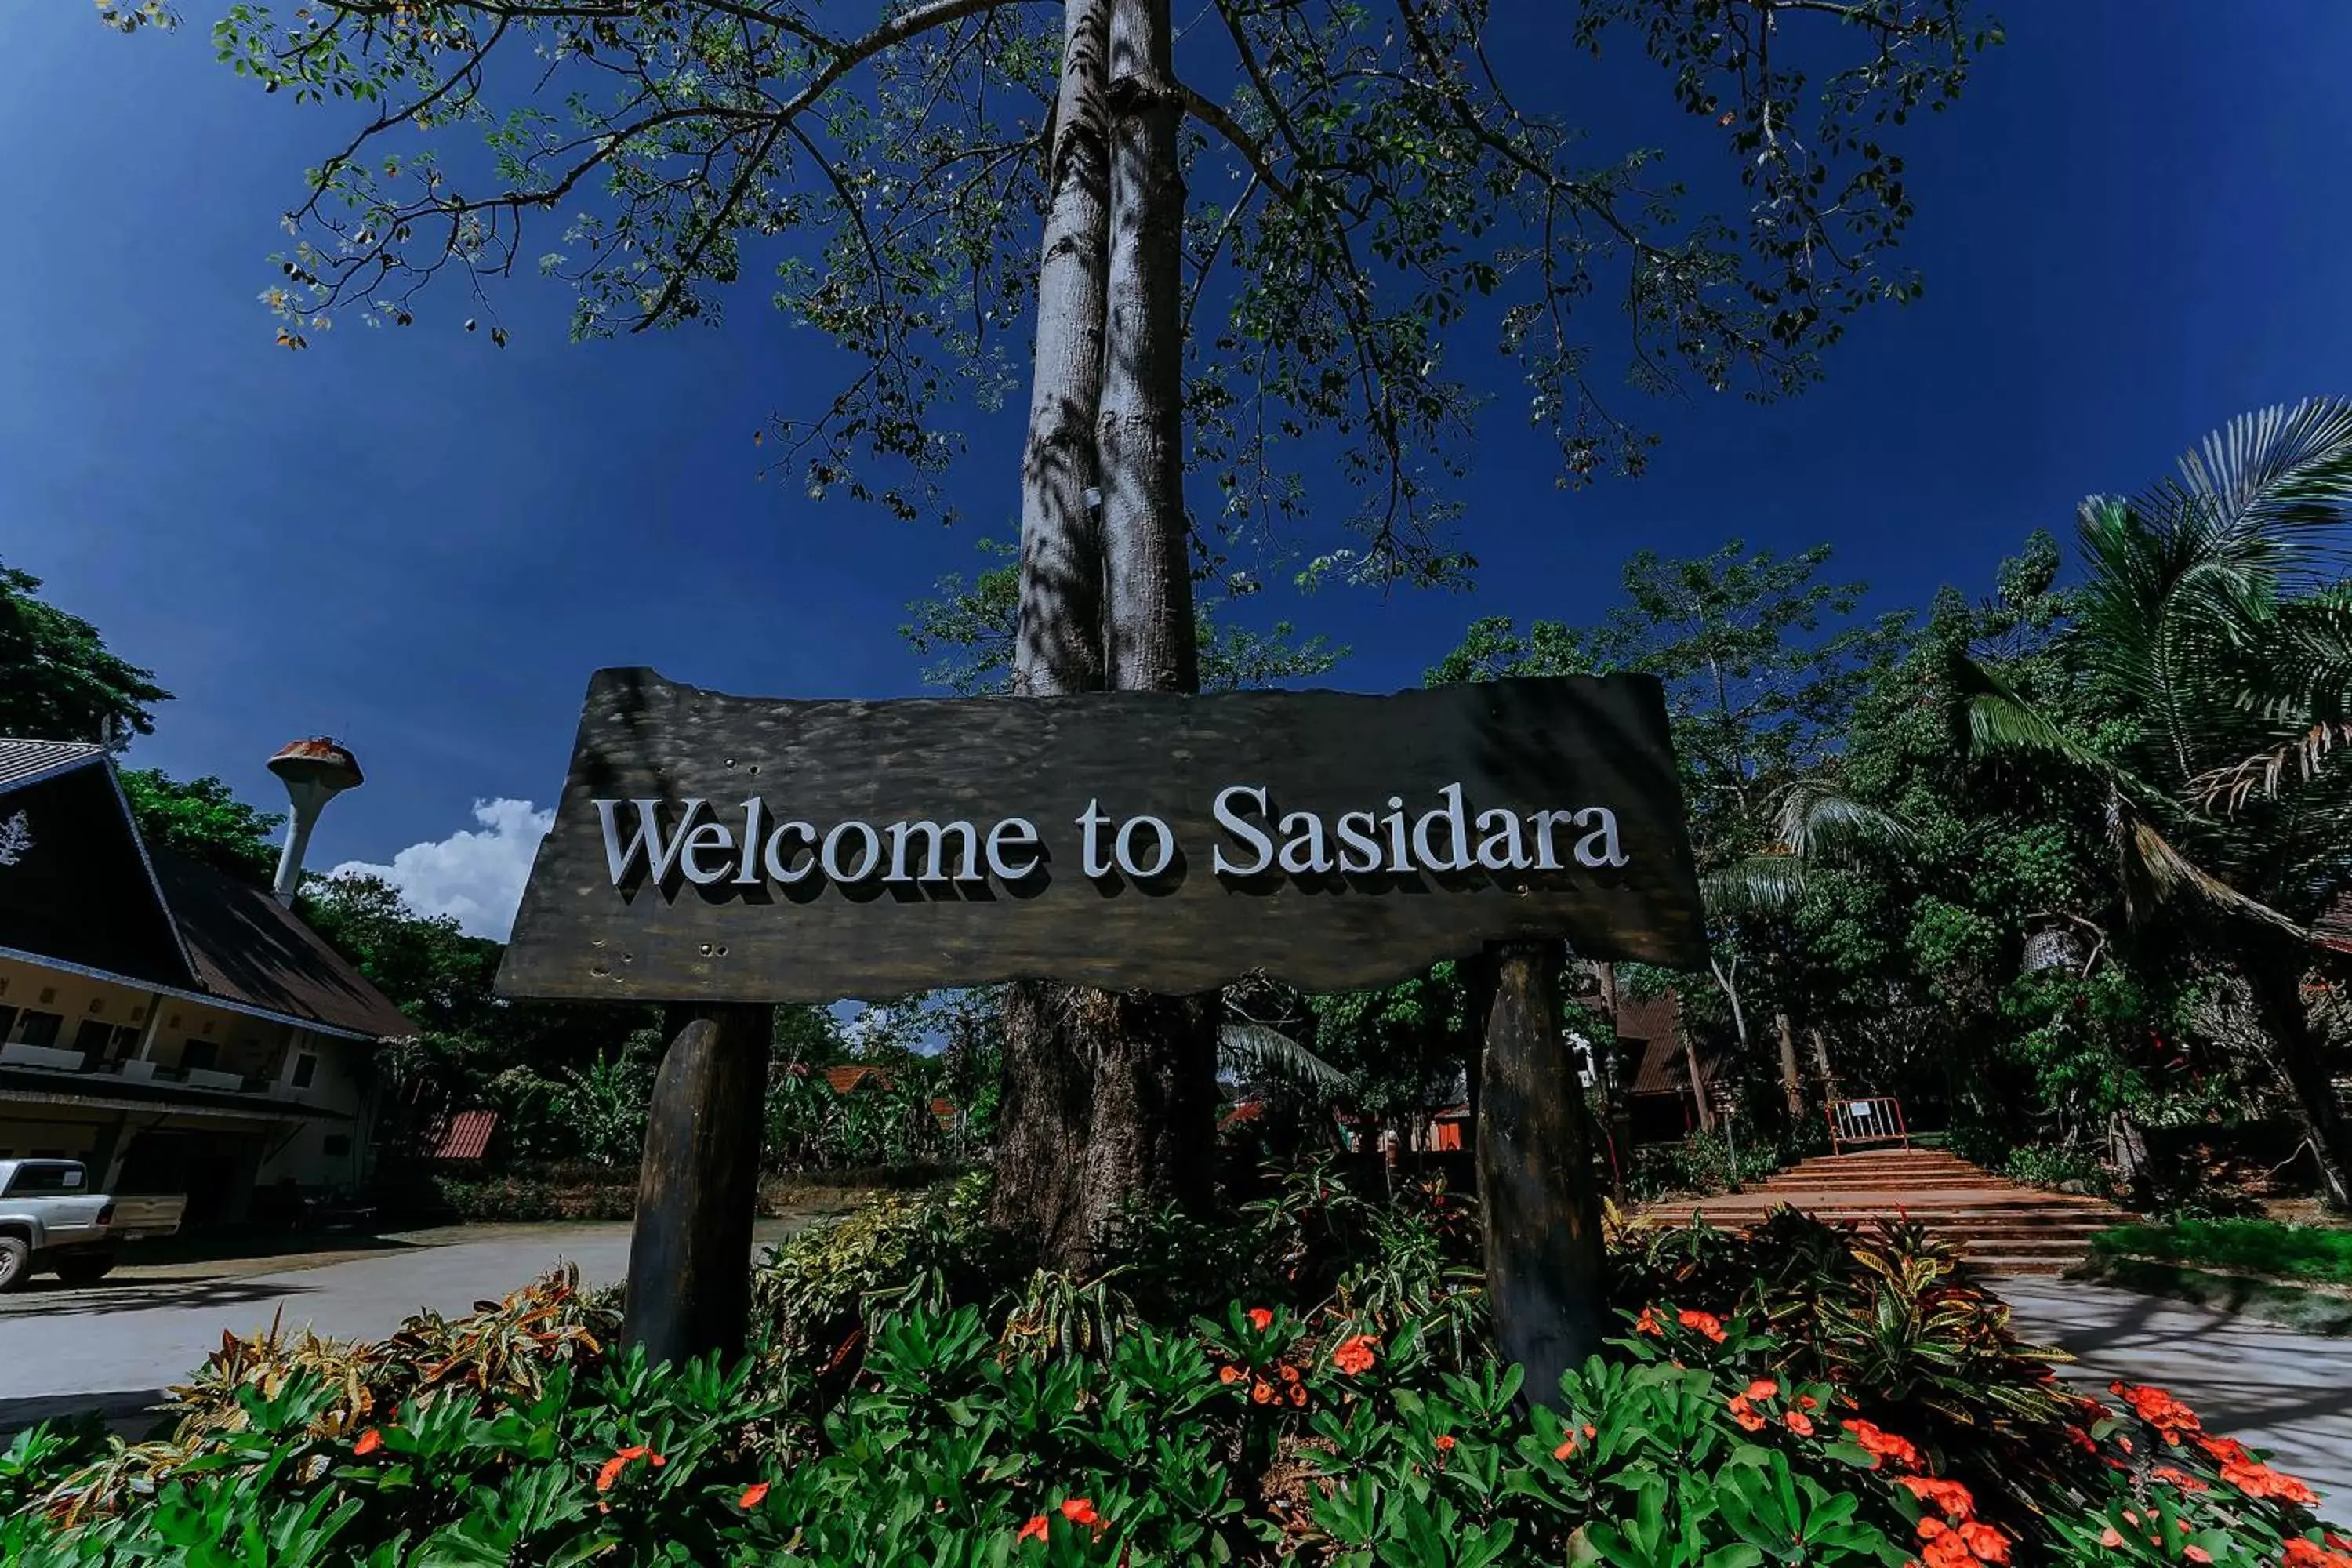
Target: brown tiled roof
<point x="854" y="1074"/>
<point x="1663" y="1069"/>
<point x="244" y="947"/>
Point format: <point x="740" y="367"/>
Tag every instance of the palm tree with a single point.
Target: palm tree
<point x="1813" y="828"/>
<point x="2216" y="635"/>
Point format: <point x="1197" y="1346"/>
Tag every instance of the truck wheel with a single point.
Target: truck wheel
<point x="85" y="1268"/>
<point x="15" y="1262"/>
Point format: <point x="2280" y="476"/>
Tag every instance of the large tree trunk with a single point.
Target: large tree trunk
<point x="1059" y="645"/>
<point x="1110" y="1100"/>
<point x="1821" y="1065"/>
<point x="1535" y="1189"/>
<point x="1042" y="1123"/>
<point x="1141" y="430"/>
<point x="1792" y="1077"/>
<point x="2275" y="978"/>
<point x="1153" y="1138"/>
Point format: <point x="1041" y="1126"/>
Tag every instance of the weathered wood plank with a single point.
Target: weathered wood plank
<point x="690" y="1287"/>
<point x="1537" y="1181"/>
<point x="1519" y="750"/>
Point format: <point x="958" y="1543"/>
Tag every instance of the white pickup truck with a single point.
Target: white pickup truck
<point x="50" y="1219"/>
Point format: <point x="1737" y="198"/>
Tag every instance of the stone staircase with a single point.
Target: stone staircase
<point x="1993" y="1223"/>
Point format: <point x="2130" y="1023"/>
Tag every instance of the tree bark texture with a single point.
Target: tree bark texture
<point x="2277" y="982"/>
<point x="1697" y="1082"/>
<point x="1792" y="1077"/>
<point x="1059" y="640"/>
<point x="1058" y="648"/>
<point x="1109" y="1100"/>
<point x="1821" y="1066"/>
<point x="690" y="1290"/>
<point x="1536" y="1188"/>
<point x="1140" y="432"/>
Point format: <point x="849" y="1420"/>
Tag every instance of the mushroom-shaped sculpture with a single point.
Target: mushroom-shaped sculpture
<point x="314" y="772"/>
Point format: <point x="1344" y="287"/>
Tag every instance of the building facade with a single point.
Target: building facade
<point x="170" y="1025"/>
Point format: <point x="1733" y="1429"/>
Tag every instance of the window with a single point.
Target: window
<point x="94" y="1036"/>
<point x="7" y="1021"/>
<point x="44" y="1181"/>
<point x="199" y="1054"/>
<point x="39" y="1028"/>
<point x="306" y="1068"/>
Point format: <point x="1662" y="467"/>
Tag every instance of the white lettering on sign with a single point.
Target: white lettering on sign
<point x="1255" y="839"/>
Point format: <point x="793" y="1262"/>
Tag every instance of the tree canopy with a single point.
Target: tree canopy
<point x="58" y="680"/>
<point x="1364" y="183"/>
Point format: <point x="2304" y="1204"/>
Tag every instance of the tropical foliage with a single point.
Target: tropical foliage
<point x="1806" y="1397"/>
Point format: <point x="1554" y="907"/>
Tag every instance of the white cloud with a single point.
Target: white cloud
<point x="475" y="877"/>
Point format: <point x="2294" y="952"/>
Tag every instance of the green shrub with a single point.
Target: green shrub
<point x="2318" y="1253"/>
<point x="1698" y="1167"/>
<point x="2043" y="1165"/>
<point x="1804" y="1396"/>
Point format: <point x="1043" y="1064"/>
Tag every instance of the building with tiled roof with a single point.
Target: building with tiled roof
<point x="173" y="1028"/>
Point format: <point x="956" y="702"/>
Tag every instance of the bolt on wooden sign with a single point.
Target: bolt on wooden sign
<point x="710" y="847"/>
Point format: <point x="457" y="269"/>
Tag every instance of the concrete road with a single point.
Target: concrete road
<point x="2267" y="1386"/>
<point x="113" y="1347"/>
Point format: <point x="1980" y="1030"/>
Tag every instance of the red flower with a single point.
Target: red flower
<point x="1988" y="1544"/>
<point x="2305" y="1553"/>
<point x="370" y="1441"/>
<point x="1744" y="1414"/>
<point x="1081" y="1510"/>
<point x="754" y="1496"/>
<point x="1799" y="1423"/>
<point x="1032" y="1531"/>
<point x="1648" y="1322"/>
<point x="2158" y="1409"/>
<point x="1706" y="1323"/>
<point x="1261" y="1392"/>
<point x="1951" y="1497"/>
<point x="1260" y="1319"/>
<point x="1229" y="1375"/>
<point x="2081" y="1439"/>
<point x="1289" y="1373"/>
<point x="610" y="1470"/>
<point x="1354" y="1355"/>
<point x="2196" y="1554"/>
<point x="2180" y="1479"/>
<point x="2111" y="1537"/>
<point x="1807" y="1402"/>
<point x="1883" y="1446"/>
<point x="1763" y="1388"/>
<point x="2262" y="1482"/>
<point x="1567" y="1446"/>
<point x="1445" y="1442"/>
<point x="1298" y="1394"/>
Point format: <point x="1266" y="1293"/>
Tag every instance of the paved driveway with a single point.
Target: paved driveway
<point x="2266" y="1385"/>
<point x="114" y="1346"/>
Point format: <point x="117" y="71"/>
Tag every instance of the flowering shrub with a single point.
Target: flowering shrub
<point x="1746" y="1425"/>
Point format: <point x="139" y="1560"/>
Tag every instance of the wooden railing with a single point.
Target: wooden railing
<point x="1874" y="1120"/>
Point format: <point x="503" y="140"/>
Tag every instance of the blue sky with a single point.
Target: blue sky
<point x="2132" y="228"/>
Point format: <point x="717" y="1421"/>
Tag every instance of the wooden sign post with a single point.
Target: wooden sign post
<point x="711" y="849"/>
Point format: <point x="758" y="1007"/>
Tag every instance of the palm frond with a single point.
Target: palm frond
<point x="1819" y="823"/>
<point x="1756" y="884"/>
<point x="1255" y="1050"/>
<point x="2156" y="873"/>
<point x="2271" y="474"/>
<point x="2266" y="772"/>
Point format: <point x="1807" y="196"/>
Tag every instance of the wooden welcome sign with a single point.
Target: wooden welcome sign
<point x="726" y="853"/>
<point x="717" y="848"/>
